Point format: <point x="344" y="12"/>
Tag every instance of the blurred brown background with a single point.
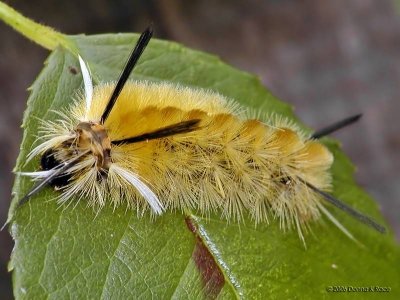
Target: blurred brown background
<point x="329" y="59"/>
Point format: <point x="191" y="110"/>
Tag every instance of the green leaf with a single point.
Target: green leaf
<point x="73" y="253"/>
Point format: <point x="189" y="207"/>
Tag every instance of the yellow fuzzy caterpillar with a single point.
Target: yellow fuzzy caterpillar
<point x="160" y="146"/>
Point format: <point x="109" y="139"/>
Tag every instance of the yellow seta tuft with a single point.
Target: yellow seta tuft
<point x="229" y="164"/>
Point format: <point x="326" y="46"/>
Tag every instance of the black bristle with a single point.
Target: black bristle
<point x="48" y="162"/>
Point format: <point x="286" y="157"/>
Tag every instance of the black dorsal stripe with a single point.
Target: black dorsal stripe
<point x="178" y="128"/>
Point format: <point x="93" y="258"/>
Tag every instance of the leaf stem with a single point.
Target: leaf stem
<point x="43" y="35"/>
